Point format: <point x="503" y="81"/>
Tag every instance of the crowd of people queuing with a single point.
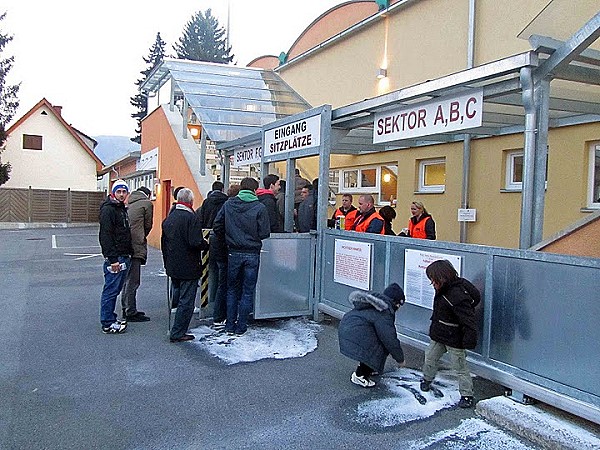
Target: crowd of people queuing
<point x="239" y="221"/>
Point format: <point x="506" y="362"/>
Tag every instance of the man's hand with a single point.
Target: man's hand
<point x="115" y="267"/>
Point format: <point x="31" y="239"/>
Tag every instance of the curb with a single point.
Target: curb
<point x="541" y="424"/>
<point x="33" y="225"/>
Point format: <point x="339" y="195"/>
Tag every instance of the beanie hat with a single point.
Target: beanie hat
<point x="395" y="294"/>
<point x="119" y="184"/>
<point x="145" y="190"/>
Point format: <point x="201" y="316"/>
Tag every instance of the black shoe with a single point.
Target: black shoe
<point x="466" y="402"/>
<point x="138" y="317"/>
<point x="184" y="338"/>
<point x="425" y="385"/>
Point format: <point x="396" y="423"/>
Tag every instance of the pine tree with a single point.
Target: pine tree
<point x="203" y="39"/>
<point x="139" y="100"/>
<point x="8" y="99"/>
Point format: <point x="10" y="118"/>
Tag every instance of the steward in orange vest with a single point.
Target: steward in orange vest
<point x="369" y="220"/>
<point x="347" y="210"/>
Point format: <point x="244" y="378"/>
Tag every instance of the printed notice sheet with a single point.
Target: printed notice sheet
<point x="417" y="288"/>
<point x="352" y="264"/>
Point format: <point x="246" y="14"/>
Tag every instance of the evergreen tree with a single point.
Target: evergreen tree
<point x="139" y="100"/>
<point x="203" y="39"/>
<point x="8" y="99"/>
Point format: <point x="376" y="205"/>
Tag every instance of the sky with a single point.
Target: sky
<point x="86" y="56"/>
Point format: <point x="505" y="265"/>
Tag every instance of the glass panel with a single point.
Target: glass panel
<point x="517" y="169"/>
<point x="350" y="178"/>
<point x="368" y="178"/>
<point x="435" y="174"/>
<point x="389" y="183"/>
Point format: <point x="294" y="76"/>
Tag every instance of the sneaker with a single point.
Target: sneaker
<point x="218" y="325"/>
<point x="361" y="381"/>
<point x="425" y="385"/>
<point x="115" y="328"/>
<point x="466" y="402"/>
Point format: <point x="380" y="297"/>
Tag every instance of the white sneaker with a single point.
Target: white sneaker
<point x="361" y="381"/>
<point x="115" y="328"/>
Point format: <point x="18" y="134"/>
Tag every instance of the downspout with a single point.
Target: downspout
<point x="464" y="203"/>
<point x="526" y="77"/>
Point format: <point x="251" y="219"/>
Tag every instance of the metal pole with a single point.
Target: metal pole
<point x="528" y="157"/>
<point x="465" y="183"/>
<point x="542" y="96"/>
<point x="290" y="188"/>
<point x="202" y="151"/>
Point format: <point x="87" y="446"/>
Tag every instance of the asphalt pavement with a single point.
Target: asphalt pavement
<point x="66" y="385"/>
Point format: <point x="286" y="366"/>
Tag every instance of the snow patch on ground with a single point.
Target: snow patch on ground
<point x="282" y="339"/>
<point x="407" y="402"/>
<point x="470" y="434"/>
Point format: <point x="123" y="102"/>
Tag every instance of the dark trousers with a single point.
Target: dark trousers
<point x="217" y="289"/>
<point x="132" y="283"/>
<point x="364" y="371"/>
<point x="185" y="308"/>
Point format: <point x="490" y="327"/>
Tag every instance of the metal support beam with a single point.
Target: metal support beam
<point x="542" y="96"/>
<point x="570" y="50"/>
<point x="184" y="128"/>
<point x="202" y="151"/>
<point x="528" y="157"/>
<point x="466" y="176"/>
<point x="290" y="189"/>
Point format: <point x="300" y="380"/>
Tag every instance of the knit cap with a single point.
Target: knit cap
<point x="119" y="184"/>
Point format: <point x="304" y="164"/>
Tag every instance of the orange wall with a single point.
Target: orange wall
<point x="172" y="167"/>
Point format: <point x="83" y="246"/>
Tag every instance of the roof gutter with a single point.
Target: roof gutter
<point x="347" y="32"/>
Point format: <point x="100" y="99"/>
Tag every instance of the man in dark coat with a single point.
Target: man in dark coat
<point x="115" y="241"/>
<point x="217" y="254"/>
<point x="244" y="222"/>
<point x="307" y="215"/>
<point x="267" y="197"/>
<point x="182" y="244"/>
<point x="367" y="333"/>
<point x="140" y="212"/>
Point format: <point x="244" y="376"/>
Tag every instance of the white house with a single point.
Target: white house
<point x="45" y="152"/>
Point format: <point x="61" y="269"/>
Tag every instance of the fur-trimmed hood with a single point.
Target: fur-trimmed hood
<point x="370" y="299"/>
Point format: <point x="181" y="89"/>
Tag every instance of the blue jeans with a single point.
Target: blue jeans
<point x="217" y="289"/>
<point x="185" y="308"/>
<point x="242" y="273"/>
<point x="113" y="283"/>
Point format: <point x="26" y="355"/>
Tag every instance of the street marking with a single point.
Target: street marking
<point x="83" y="255"/>
<point x="54" y="241"/>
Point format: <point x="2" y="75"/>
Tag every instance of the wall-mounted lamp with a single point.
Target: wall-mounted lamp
<point x="381" y="73"/>
<point x="194" y="130"/>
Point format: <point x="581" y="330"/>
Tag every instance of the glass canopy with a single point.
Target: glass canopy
<point x="229" y="101"/>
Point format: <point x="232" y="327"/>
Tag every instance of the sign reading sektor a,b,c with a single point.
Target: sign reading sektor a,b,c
<point x="440" y="115"/>
<point x="294" y="136"/>
<point x="247" y="155"/>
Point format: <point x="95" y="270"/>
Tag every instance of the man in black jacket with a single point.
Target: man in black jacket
<point x="217" y="254"/>
<point x="244" y="222"/>
<point x="182" y="244"/>
<point x="115" y="241"/>
<point x="267" y="197"/>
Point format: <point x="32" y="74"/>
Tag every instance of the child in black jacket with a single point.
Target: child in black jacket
<point x="453" y="328"/>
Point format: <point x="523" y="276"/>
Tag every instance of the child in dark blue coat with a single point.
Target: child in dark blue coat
<point x="367" y="333"/>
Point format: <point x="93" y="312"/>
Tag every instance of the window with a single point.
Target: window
<point x="381" y="181"/>
<point x="432" y="175"/>
<point x="32" y="142"/>
<point x="594" y="177"/>
<point x="514" y="170"/>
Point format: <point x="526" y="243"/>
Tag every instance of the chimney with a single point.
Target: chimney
<point x="58" y="110"/>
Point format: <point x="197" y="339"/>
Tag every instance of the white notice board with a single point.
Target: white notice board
<point x="352" y="264"/>
<point x="417" y="288"/>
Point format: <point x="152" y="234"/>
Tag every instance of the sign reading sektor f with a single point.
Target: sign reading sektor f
<point x="440" y="115"/>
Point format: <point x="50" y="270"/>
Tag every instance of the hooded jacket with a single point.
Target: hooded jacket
<point x="453" y="319"/>
<point x="140" y="212"/>
<point x="115" y="234"/>
<point x="244" y="222"/>
<point x="267" y="198"/>
<point x="367" y="333"/>
<point x="210" y="207"/>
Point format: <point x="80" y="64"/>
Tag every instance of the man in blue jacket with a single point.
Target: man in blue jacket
<point x="181" y="245"/>
<point x="244" y="222"/>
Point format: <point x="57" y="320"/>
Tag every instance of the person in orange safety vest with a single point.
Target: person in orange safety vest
<point x="368" y="220"/>
<point x="421" y="224"/>
<point x="347" y="210"/>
